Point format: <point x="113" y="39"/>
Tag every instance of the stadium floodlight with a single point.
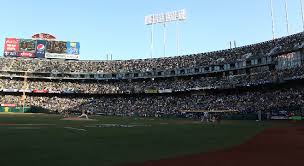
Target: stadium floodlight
<point x="272" y="19"/>
<point x="286" y="17"/>
<point x="164" y="18"/>
<point x="302" y="16"/>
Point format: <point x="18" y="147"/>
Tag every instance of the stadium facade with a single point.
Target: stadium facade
<point x="259" y="77"/>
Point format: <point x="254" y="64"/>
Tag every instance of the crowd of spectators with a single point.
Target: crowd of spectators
<point x="279" y="45"/>
<point x="169" y="104"/>
<point x="141" y="86"/>
<point x="172" y="105"/>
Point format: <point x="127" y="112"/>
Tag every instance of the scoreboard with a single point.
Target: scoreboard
<point x="41" y="48"/>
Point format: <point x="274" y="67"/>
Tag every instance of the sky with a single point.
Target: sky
<point x="117" y="26"/>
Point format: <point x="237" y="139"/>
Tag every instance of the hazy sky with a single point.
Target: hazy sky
<point x="117" y="26"/>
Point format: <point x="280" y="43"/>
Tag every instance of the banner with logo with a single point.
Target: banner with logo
<point x="165" y="91"/>
<point x="10" y="54"/>
<point x="27" y="45"/>
<point x="73" y="48"/>
<point x="10" y="90"/>
<point x="8" y="105"/>
<point x="25" y="90"/>
<point x="54" y="91"/>
<point x="58" y="47"/>
<point x="40" y="48"/>
<point x="70" y="56"/>
<point x="11" y="45"/>
<point x="26" y="54"/>
<point x="151" y="90"/>
<point x="68" y="92"/>
<point x="40" y="91"/>
<point x="55" y="56"/>
<point x="27" y="48"/>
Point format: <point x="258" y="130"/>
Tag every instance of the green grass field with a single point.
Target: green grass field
<point x="28" y="139"/>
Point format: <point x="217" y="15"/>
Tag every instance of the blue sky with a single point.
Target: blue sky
<point x="117" y="26"/>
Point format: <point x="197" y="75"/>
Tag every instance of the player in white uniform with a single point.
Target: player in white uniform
<point x="84" y="115"/>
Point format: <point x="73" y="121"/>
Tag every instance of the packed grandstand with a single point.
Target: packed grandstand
<point x="264" y="77"/>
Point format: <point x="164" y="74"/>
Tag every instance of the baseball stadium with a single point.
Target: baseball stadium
<point x="241" y="105"/>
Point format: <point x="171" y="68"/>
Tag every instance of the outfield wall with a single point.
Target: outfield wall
<point x="14" y="109"/>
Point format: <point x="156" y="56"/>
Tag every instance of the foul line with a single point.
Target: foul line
<point x="72" y="128"/>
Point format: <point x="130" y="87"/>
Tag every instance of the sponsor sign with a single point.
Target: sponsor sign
<point x="10" y="54"/>
<point x="26" y="54"/>
<point x="8" y="105"/>
<point x="58" y="47"/>
<point x="10" y="90"/>
<point x="69" y="56"/>
<point x="277" y="117"/>
<point x="11" y="45"/>
<point x="68" y="91"/>
<point x="27" y="45"/>
<point x="73" y="48"/>
<point x="40" y="48"/>
<point x="151" y="90"/>
<point x="54" y="91"/>
<point x="27" y="90"/>
<point x="40" y="91"/>
<point x="165" y="91"/>
<point x="55" y="56"/>
<point x="296" y="118"/>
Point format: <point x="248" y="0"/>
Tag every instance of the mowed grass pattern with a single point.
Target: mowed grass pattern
<point x="50" y="144"/>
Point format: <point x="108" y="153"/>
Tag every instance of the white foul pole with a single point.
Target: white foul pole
<point x="286" y="17"/>
<point x="272" y="19"/>
<point x="302" y="16"/>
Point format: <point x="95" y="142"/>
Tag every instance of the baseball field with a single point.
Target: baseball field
<point x="39" y="139"/>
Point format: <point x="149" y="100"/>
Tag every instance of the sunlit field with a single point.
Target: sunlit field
<point x="39" y="139"/>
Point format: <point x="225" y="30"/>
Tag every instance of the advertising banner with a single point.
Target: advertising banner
<point x="296" y="118"/>
<point x="151" y="90"/>
<point x="58" y="47"/>
<point x="26" y="54"/>
<point x="40" y="48"/>
<point x="27" y="45"/>
<point x="40" y="91"/>
<point x="11" y="45"/>
<point x="10" y="54"/>
<point x="277" y="117"/>
<point x="54" y="91"/>
<point x="73" y="48"/>
<point x="26" y="48"/>
<point x="55" y="56"/>
<point x="10" y="90"/>
<point x="165" y="91"/>
<point x="27" y="91"/>
<point x="8" y="105"/>
<point x="68" y="92"/>
<point x="70" y="56"/>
